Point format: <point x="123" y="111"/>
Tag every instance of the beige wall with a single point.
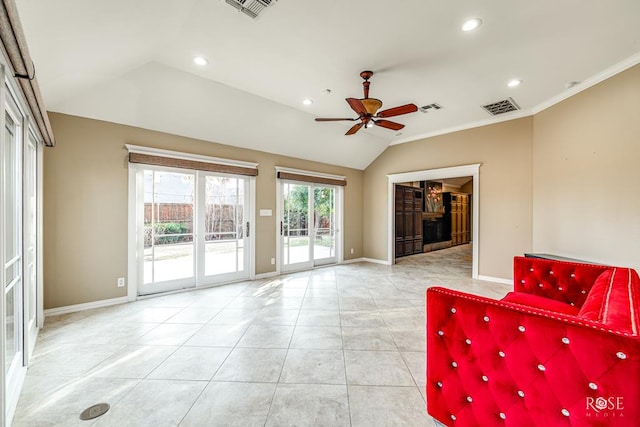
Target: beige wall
<point x="85" y="204"/>
<point x="467" y="188"/>
<point x="586" y="174"/>
<point x="505" y="152"/>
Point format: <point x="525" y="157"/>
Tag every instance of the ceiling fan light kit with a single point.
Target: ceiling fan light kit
<point x="367" y="110"/>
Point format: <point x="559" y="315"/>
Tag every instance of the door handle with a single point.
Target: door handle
<point x="247" y="229"/>
<point x="281" y="228"/>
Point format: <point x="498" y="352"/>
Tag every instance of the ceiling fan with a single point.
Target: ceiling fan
<point x="367" y="110"/>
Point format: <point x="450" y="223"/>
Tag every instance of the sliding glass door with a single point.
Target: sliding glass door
<point x="224" y="228"/>
<point x="194" y="229"/>
<point x="30" y="245"/>
<point x="169" y="248"/>
<point x="309" y="216"/>
<point x="12" y="248"/>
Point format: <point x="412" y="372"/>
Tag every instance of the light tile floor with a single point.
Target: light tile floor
<point x="336" y="346"/>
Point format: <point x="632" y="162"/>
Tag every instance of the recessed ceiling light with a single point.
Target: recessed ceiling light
<point x="307" y="101"/>
<point x="200" y="60"/>
<point x="471" y="24"/>
<point x="514" y="83"/>
<point x="569" y="85"/>
<point x="326" y="92"/>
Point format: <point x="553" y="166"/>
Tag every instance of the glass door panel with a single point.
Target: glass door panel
<point x="324" y="243"/>
<point x="30" y="242"/>
<point x="169" y="252"/>
<point x="295" y="225"/>
<point x="12" y="262"/>
<point x="224" y="225"/>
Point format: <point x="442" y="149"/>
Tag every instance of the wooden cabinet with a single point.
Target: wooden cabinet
<point x="457" y="217"/>
<point x="408" y="211"/>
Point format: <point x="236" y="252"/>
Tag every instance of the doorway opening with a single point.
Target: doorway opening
<point x="422" y="217"/>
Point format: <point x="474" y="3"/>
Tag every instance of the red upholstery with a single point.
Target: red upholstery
<point x="499" y="363"/>
<point x="537" y="301"/>
<point x="615" y="300"/>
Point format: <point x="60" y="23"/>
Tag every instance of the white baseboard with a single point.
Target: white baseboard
<point x="352" y="261"/>
<point x="85" y="306"/>
<point x="495" y="280"/>
<point x="376" y="261"/>
<point x="266" y="275"/>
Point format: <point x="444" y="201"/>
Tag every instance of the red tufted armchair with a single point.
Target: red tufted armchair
<point x="562" y="349"/>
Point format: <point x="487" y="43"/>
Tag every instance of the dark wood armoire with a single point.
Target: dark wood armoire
<point x="408" y="207"/>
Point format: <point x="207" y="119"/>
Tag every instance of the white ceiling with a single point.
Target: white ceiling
<point x="130" y="62"/>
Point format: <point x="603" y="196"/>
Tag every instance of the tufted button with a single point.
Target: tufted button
<point x="573" y="275"/>
<point x="440" y="333"/>
<point x="539" y="285"/>
<point x="469" y="399"/>
<point x="485" y="318"/>
<point x="522" y="281"/>
<point x="565" y="340"/>
<point x="531" y="269"/>
<point x="551" y="272"/>
<point x="565" y="412"/>
<point x="621" y="355"/>
<point x="541" y="367"/>
<point x="502" y="415"/>
<point x="454" y="364"/>
<point x="521" y="328"/>
<point x="453" y="417"/>
<point x="559" y="288"/>
<point x="439" y="384"/>
<point x="583" y="292"/>
<point x="520" y="393"/>
<point x="501" y="353"/>
<point x="468" y="341"/>
<point x="593" y="386"/>
<point x="453" y="310"/>
<point x="485" y="378"/>
<point x="571" y="304"/>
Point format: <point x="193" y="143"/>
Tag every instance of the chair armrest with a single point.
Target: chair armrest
<point x="567" y="282"/>
<point x="489" y="359"/>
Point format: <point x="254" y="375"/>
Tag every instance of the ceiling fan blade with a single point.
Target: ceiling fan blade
<point x="396" y="111"/>
<point x="323" y="119"/>
<point x="357" y="106"/>
<point x="354" y="129"/>
<point x="388" y="124"/>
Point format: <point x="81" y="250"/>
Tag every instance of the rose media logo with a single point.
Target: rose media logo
<point x="605" y="407"/>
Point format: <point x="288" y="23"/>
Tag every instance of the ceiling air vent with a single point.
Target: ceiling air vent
<point x="430" y="107"/>
<point x="501" y="107"/>
<point x="251" y="8"/>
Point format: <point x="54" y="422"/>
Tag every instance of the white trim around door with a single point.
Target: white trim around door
<point x="472" y="170"/>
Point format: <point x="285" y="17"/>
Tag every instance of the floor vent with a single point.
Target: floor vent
<point x="251" y="8"/>
<point x="430" y="107"/>
<point x="501" y="107"/>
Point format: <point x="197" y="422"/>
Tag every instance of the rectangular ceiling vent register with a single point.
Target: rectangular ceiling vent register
<point x="251" y="8"/>
<point x="501" y="107"/>
<point x="430" y="107"/>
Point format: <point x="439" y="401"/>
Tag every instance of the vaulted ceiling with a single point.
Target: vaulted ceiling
<point x="131" y="62"/>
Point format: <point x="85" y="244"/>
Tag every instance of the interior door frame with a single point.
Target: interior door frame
<point x="472" y="170"/>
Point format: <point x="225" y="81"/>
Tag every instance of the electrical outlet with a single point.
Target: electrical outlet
<point x="351" y="251"/>
<point x="273" y="261"/>
<point x="121" y="282"/>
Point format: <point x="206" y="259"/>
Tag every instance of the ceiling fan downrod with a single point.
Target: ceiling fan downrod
<point x="366" y="75"/>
